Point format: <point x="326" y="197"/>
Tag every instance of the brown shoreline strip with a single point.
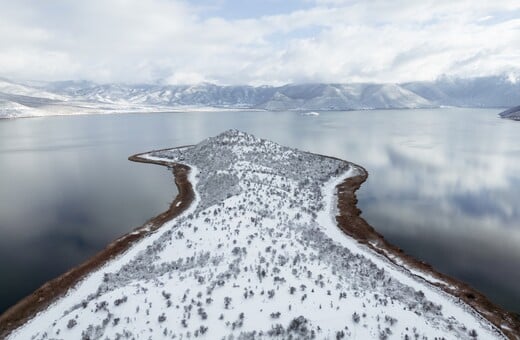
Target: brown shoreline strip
<point x="350" y="222"/>
<point x="40" y="299"/>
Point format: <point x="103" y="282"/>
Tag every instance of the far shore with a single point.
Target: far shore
<point x="349" y="221"/>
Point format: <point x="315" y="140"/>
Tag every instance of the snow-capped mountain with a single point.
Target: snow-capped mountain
<point x="34" y="99"/>
<point x="258" y="254"/>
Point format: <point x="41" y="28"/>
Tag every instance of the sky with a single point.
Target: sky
<point x="258" y="42"/>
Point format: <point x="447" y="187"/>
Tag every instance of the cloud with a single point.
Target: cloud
<point x="317" y="41"/>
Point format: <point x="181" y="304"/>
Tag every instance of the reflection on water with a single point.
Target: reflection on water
<point x="444" y="185"/>
<point x="67" y="190"/>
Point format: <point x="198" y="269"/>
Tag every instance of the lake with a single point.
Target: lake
<point x="444" y="185"/>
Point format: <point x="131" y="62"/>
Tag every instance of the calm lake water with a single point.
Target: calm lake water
<point x="443" y="184"/>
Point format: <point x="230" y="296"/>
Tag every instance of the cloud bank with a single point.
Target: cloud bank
<point x="258" y="42"/>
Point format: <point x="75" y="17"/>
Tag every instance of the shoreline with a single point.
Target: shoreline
<point x="210" y="109"/>
<point x="348" y="220"/>
<point x="41" y="298"/>
<point x="138" y="110"/>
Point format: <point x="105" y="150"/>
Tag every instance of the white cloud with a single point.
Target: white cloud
<point x="332" y="41"/>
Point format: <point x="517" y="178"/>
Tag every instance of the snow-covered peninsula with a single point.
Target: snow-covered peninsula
<point x="251" y="249"/>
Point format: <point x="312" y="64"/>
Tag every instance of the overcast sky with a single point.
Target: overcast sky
<point x="258" y="41"/>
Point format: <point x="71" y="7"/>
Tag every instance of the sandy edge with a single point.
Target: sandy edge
<point x="349" y="221"/>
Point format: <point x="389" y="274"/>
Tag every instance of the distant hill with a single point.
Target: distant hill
<point x="76" y="97"/>
<point x="512" y="113"/>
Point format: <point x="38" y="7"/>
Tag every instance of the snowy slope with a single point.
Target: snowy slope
<point x="11" y="109"/>
<point x="389" y="96"/>
<point x="495" y="91"/>
<point x="258" y="255"/>
<point x="73" y="98"/>
<point x="512" y="113"/>
<point x="8" y="87"/>
<point x="344" y="97"/>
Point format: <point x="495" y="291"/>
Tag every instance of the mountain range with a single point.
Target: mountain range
<point x="26" y="99"/>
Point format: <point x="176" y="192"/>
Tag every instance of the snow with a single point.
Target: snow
<point x="10" y="109"/>
<point x="14" y="110"/>
<point x="258" y="254"/>
<point x="451" y="305"/>
<point x="311" y="114"/>
<point x="512" y="113"/>
<point x="46" y="99"/>
<point x="29" y="91"/>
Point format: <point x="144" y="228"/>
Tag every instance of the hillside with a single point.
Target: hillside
<point x="81" y="97"/>
<point x="512" y="113"/>
<point x="257" y="254"/>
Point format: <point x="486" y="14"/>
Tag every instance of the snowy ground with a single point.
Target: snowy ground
<point x="257" y="255"/>
<point x="9" y="109"/>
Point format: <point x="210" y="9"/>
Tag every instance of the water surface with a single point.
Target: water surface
<point x="444" y="185"/>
